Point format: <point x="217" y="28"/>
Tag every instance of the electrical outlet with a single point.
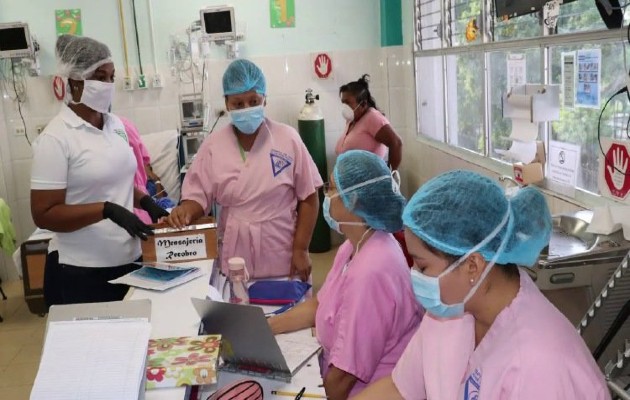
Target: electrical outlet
<point x="19" y="131"/>
<point x="157" y="81"/>
<point x="127" y="83"/>
<point x="142" y="82"/>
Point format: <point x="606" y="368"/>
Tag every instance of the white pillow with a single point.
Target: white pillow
<point x="162" y="147"/>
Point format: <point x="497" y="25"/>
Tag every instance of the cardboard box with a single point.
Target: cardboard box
<point x="534" y="172"/>
<point x="182" y="361"/>
<point x="195" y="242"/>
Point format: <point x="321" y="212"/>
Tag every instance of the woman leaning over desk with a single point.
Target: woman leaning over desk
<point x="261" y="174"/>
<point x="365" y="313"/>
<point x="82" y="183"/>
<point x="488" y="333"/>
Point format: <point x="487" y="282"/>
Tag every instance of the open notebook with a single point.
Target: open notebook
<point x="248" y="345"/>
<point x="94" y="351"/>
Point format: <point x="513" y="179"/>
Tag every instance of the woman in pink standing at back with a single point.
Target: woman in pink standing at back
<point x="366" y="127"/>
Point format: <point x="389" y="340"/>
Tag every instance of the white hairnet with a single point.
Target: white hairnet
<point x="78" y="57"/>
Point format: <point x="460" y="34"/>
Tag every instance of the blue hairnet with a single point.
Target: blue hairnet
<point x="242" y="76"/>
<point x="379" y="203"/>
<point x="457" y="210"/>
<point x="78" y="57"/>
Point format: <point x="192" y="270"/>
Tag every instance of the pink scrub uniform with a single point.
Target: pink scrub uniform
<point x="530" y="352"/>
<point x="362" y="136"/>
<point x="142" y="158"/>
<point x="258" y="196"/>
<point x="367" y="311"/>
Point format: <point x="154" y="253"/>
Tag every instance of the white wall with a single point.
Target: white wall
<point x="349" y="30"/>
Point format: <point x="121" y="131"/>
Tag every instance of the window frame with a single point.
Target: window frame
<point x="486" y="46"/>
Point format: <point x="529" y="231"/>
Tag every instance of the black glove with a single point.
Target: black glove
<point x="126" y="220"/>
<point x="155" y="212"/>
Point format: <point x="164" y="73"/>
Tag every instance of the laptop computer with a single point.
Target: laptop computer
<point x="248" y="345"/>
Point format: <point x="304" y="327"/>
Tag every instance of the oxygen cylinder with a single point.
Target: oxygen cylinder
<point x="311" y="129"/>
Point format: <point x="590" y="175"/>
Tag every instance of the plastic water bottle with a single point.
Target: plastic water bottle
<point x="238" y="277"/>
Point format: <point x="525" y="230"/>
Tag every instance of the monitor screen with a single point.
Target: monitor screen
<point x="192" y="109"/>
<point x="218" y="21"/>
<point x="514" y="8"/>
<point x="13" y="39"/>
<point x="192" y="144"/>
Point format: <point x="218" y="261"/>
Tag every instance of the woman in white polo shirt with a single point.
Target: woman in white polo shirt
<point x="82" y="183"/>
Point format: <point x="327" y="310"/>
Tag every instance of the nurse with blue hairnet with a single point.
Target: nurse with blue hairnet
<point x="365" y="313"/>
<point x="261" y="174"/>
<point x="489" y="333"/>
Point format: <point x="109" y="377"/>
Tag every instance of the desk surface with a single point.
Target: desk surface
<point x="172" y="314"/>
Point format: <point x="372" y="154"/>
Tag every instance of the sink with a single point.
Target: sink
<point x="568" y="238"/>
<point x="576" y="265"/>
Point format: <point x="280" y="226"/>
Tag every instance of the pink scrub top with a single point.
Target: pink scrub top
<point x="258" y="196"/>
<point x="362" y="136"/>
<point x="530" y="352"/>
<point x="367" y="311"/>
<point x="142" y="158"/>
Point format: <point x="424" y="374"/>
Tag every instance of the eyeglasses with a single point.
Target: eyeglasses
<point x="328" y="189"/>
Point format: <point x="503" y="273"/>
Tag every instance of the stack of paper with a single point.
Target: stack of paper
<point x="159" y="276"/>
<point x="93" y="359"/>
<point x="297" y="348"/>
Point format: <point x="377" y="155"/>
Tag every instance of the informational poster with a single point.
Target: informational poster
<point x="282" y="13"/>
<point x="589" y="78"/>
<point x="516" y="70"/>
<point x="568" y="79"/>
<point x="68" y="22"/>
<point x="614" y="174"/>
<point x="564" y="162"/>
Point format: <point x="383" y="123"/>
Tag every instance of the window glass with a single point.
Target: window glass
<point x="579" y="125"/>
<point x="464" y="78"/>
<point x="501" y="128"/>
<point x="430" y="95"/>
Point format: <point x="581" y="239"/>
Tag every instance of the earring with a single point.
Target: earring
<point x="472" y="281"/>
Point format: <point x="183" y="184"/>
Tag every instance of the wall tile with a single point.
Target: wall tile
<point x="22" y="177"/>
<point x="169" y="117"/>
<point x="26" y="226"/>
<point x="147" y="119"/>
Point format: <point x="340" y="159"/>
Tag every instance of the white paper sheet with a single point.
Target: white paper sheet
<point x="524" y="152"/>
<point x="609" y="219"/>
<point x="297" y="348"/>
<point x="98" y="360"/>
<point x="524" y="130"/>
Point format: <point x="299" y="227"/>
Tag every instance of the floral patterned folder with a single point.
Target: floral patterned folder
<point x="183" y="361"/>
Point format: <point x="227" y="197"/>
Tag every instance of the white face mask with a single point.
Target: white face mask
<point x="348" y="112"/>
<point x="97" y="95"/>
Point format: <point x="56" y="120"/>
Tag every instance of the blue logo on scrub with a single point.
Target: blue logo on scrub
<point x="279" y="162"/>
<point x="473" y="385"/>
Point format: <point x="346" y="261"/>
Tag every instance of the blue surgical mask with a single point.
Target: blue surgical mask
<point x="247" y="120"/>
<point x="333" y="223"/>
<point x="427" y="288"/>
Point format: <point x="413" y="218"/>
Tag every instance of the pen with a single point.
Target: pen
<point x="280" y="310"/>
<point x="293" y="394"/>
<point x="300" y="393"/>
